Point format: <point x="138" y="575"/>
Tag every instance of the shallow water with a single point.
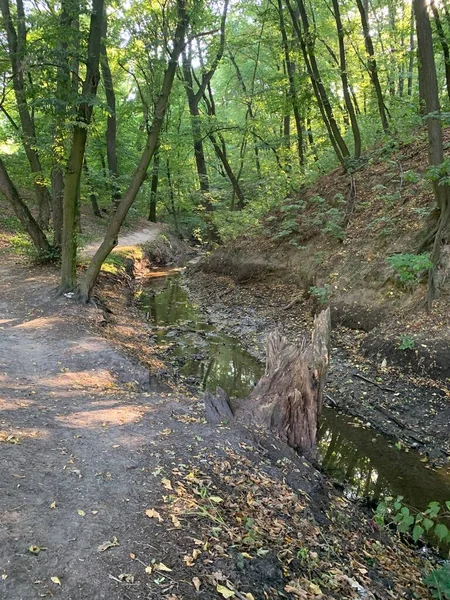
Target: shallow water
<point x="367" y="463"/>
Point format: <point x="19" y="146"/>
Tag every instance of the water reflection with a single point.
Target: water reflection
<point x="198" y="351"/>
<point x="371" y="466"/>
<point x="367" y="463"/>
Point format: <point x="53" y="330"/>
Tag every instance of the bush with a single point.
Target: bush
<point x="409" y="267"/>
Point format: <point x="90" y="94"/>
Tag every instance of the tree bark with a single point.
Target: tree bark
<point x="430" y="93"/>
<point x="17" y="55"/>
<point x="444" y="44"/>
<point x="75" y="164"/>
<point x="345" y="84"/>
<point x="92" y="196"/>
<point x="372" y="65"/>
<point x="110" y="240"/>
<point x="22" y="212"/>
<point x="288" y="398"/>
<point x="111" y="123"/>
<point x="293" y="96"/>
<point x="154" y="187"/>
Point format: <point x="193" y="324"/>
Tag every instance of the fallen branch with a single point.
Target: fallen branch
<point x="381" y="387"/>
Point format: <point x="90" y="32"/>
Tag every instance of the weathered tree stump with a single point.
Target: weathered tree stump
<point x="287" y="400"/>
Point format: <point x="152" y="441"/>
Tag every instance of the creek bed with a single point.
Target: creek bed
<point x="368" y="464"/>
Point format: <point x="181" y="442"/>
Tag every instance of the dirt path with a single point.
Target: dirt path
<point x="134" y="238"/>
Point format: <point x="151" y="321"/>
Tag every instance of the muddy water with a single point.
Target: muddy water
<point x="368" y="464"/>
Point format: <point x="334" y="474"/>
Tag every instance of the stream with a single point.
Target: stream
<point x="368" y="464"/>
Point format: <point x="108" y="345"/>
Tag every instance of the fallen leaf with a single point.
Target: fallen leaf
<point x="175" y="521"/>
<point x="188" y="560"/>
<point x="4" y="576"/>
<point x="12" y="439"/>
<point x="81" y="513"/>
<point x="53" y="505"/>
<point x="35" y="549"/>
<point x="315" y="589"/>
<point x="161" y="567"/>
<point x="154" y="514"/>
<point x="107" y="545"/>
<point x="148" y="569"/>
<point x="94" y="512"/>
<point x="196" y="582"/>
<point x="132" y="555"/>
<point x="224" y="591"/>
<point x="126" y="577"/>
<point x="216" y="499"/>
<point x="249" y="596"/>
<point x="166" y="483"/>
<point x="55" y="580"/>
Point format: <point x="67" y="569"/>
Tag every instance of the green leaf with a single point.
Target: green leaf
<point x="441" y="531"/>
<point x="417" y="532"/>
<point x="428" y="524"/>
<point x="435" y="507"/>
<point x="447" y="504"/>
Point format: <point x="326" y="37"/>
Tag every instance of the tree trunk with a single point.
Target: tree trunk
<point x="92" y="196"/>
<point x="154" y="187"/>
<point x="75" y="163"/>
<point x="430" y="93"/>
<point x="372" y="66"/>
<point x="444" y="44"/>
<point x="111" y="124"/>
<point x="288" y="398"/>
<point x="344" y="78"/>
<point x="110" y="240"/>
<point x="16" y="50"/>
<point x="293" y="96"/>
<point x="22" y="212"/>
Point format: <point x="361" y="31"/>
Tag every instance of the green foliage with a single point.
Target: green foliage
<point x="438" y="581"/>
<point x="409" y="267"/>
<point x="429" y="522"/>
<point x="322" y="294"/>
<point x="407" y="342"/>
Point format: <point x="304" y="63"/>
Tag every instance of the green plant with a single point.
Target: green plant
<point x="439" y="582"/>
<point x="320" y="293"/>
<point x="409" y="267"/>
<point x="429" y="521"/>
<point x="407" y="342"/>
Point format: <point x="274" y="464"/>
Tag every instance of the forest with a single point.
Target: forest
<point x="189" y="190"/>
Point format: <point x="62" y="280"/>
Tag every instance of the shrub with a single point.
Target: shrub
<point x="409" y="267"/>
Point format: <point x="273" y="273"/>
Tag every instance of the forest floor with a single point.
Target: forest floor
<point x="114" y="490"/>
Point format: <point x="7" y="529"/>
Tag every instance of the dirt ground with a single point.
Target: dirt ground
<point x="112" y="491"/>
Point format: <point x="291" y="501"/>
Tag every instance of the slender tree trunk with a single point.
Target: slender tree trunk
<point x="344" y="77"/>
<point x="411" y="54"/>
<point x="154" y="187"/>
<point x="110" y="240"/>
<point x="293" y="96"/>
<point x="22" y="212"/>
<point x="92" y="196"/>
<point x="172" y="196"/>
<point x="372" y="65"/>
<point x="111" y="123"/>
<point x="17" y="54"/>
<point x="430" y="93"/>
<point x="444" y="44"/>
<point x="75" y="163"/>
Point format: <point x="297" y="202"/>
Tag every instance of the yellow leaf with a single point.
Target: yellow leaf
<point x="162" y="567"/>
<point x="216" y="499"/>
<point x="196" y="582"/>
<point x="189" y="561"/>
<point x="249" y="596"/>
<point x="247" y="555"/>
<point x="35" y="549"/>
<point x="4" y="576"/>
<point x="127" y="577"/>
<point x="55" y="580"/>
<point x="148" y="569"/>
<point x="53" y="505"/>
<point x="224" y="591"/>
<point x="166" y="483"/>
<point x="315" y="589"/>
<point x="154" y="514"/>
<point x="175" y="521"/>
<point x="132" y="556"/>
<point x="81" y="513"/>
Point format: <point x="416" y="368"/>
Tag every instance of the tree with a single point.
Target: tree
<point x="110" y="240"/>
<point x="430" y="94"/>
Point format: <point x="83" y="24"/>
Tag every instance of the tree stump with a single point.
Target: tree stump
<point x="288" y="399"/>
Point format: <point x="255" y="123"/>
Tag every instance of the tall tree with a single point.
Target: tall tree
<point x="430" y="94"/>
<point x="75" y="163"/>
